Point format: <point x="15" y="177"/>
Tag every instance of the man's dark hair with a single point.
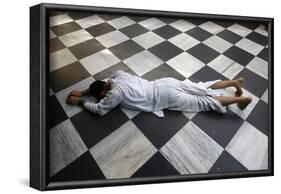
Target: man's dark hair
<point x="96" y="88"/>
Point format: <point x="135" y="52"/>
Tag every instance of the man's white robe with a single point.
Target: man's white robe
<point x="153" y="96"/>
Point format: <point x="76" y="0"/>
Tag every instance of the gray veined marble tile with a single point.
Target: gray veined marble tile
<point x="249" y="46"/>
<point x="250" y="147"/>
<point x="99" y="61"/>
<point x="182" y="25"/>
<point x="152" y="23"/>
<point x="184" y="41"/>
<point x="261" y="30"/>
<point x="59" y="19"/>
<point x="52" y="34"/>
<point x="75" y="37"/>
<point x="259" y="66"/>
<point x="240" y="30"/>
<point x="191" y="150"/>
<point x="130" y="112"/>
<point x="143" y="62"/>
<point x="123" y="152"/>
<point x="148" y="39"/>
<point x="89" y="21"/>
<point x="185" y="64"/>
<point x="65" y="146"/>
<point x="112" y="38"/>
<point x="265" y="96"/>
<point x="225" y="66"/>
<point x="61" y="58"/>
<point x="211" y="27"/>
<point x="72" y="110"/>
<point x="121" y="22"/>
<point x="218" y="44"/>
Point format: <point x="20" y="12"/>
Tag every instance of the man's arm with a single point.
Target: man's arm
<point x="110" y="101"/>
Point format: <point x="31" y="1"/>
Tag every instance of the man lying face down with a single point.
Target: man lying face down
<point x="136" y="93"/>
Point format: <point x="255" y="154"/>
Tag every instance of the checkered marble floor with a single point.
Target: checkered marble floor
<point x="126" y="143"/>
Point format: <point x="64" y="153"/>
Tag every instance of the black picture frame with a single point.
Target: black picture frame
<point x="39" y="60"/>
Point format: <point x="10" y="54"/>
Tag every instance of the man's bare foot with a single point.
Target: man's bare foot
<point x="238" y="86"/>
<point x="244" y="102"/>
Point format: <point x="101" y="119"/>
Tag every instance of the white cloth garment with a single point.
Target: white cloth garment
<point x="153" y="96"/>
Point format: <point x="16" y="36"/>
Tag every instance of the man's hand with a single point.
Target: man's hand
<point x="75" y="93"/>
<point x="73" y="100"/>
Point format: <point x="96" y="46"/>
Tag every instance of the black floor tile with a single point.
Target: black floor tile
<point x="67" y="76"/>
<point x="55" y="113"/>
<point x="165" y="50"/>
<point x="240" y="56"/>
<point x="259" y="117"/>
<point x="79" y="15"/>
<point x="197" y="21"/>
<point x="167" y="20"/>
<point x="258" y="38"/>
<point x="86" y="48"/>
<point x="160" y="130"/>
<point x="223" y="23"/>
<point x="162" y="71"/>
<point x="249" y="25"/>
<point x="100" y="29"/>
<point x="253" y="82"/>
<point x="126" y="49"/>
<point x="138" y="18"/>
<point x="55" y="44"/>
<point x="157" y="165"/>
<point x="199" y="34"/>
<point x="206" y="74"/>
<point x="109" y="71"/>
<point x="83" y="168"/>
<point x="229" y="36"/>
<point x="227" y="164"/>
<point x="133" y="30"/>
<point x="167" y="31"/>
<point x="108" y="17"/>
<point x="55" y="13"/>
<point x="93" y="128"/>
<point x="65" y="28"/>
<point x="221" y="127"/>
<point x="203" y="53"/>
<point x="264" y="54"/>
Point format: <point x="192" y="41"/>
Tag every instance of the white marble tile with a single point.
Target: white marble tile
<point x="75" y="37"/>
<point x="250" y="147"/>
<point x="72" y="110"/>
<point x="225" y="66"/>
<point x="184" y="41"/>
<point x="123" y="152"/>
<point x="246" y="112"/>
<point x="99" y="61"/>
<point x="191" y="151"/>
<point x="130" y="112"/>
<point x="218" y="44"/>
<point x="249" y="46"/>
<point x="112" y="38"/>
<point x="185" y="64"/>
<point x="65" y="146"/>
<point x="182" y="25"/>
<point x="211" y="27"/>
<point x="61" y="58"/>
<point x="89" y="21"/>
<point x="152" y="23"/>
<point x="121" y="22"/>
<point x="52" y="34"/>
<point x="240" y="30"/>
<point x="189" y="115"/>
<point x="259" y="66"/>
<point x="261" y="30"/>
<point x="148" y="39"/>
<point x="143" y="62"/>
<point x="60" y="19"/>
<point x="265" y="96"/>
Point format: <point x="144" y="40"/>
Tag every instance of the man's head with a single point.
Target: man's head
<point x="99" y="88"/>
